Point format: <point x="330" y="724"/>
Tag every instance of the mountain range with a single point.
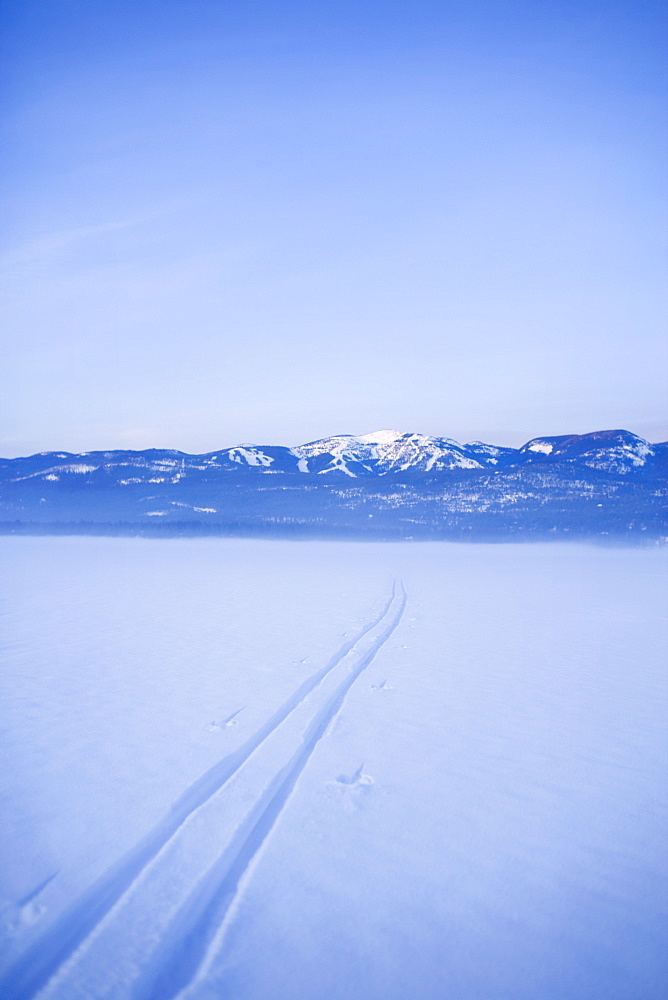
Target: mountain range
<point x="386" y="484"/>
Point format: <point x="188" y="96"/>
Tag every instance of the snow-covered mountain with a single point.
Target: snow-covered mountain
<point x="388" y="451"/>
<point x="612" y="451"/>
<point x="387" y="483"/>
<point x="384" y="452"/>
<point x="380" y="453"/>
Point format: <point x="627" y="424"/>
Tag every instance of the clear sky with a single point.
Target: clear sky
<point x="229" y="221"/>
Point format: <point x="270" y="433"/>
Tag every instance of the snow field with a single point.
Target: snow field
<point x="471" y="809"/>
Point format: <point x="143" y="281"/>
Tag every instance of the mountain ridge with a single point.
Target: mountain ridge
<point x="385" y="484"/>
<point x="384" y="452"/>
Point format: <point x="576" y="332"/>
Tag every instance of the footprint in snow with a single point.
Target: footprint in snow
<point x="383" y="686"/>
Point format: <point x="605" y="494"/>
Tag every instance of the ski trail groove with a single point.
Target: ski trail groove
<point x="43" y="959"/>
<point x="186" y="951"/>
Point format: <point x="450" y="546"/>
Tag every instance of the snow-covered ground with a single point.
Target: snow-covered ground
<point x="290" y="770"/>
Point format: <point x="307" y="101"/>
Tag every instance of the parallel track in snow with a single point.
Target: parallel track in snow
<point x="197" y="932"/>
<point x="172" y="874"/>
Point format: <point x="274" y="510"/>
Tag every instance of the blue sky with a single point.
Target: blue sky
<point x="272" y="221"/>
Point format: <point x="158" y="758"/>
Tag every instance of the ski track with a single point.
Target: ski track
<point x="196" y="934"/>
<point x="44" y="958"/>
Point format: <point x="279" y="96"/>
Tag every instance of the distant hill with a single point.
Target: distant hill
<point x="388" y="484"/>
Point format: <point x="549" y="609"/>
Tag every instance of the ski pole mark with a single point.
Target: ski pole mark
<point x="42" y="960"/>
<point x="39" y="888"/>
<point x="383" y="686"/>
<point x="358" y="778"/>
<point x="187" y="950"/>
<point x="228" y="722"/>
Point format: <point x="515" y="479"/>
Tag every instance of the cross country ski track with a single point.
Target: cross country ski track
<point x="148" y="927"/>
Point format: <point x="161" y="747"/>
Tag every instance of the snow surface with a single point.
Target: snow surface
<point x="318" y="771"/>
<point x="251" y="456"/>
<point x="381" y="437"/>
<point x="543" y="446"/>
